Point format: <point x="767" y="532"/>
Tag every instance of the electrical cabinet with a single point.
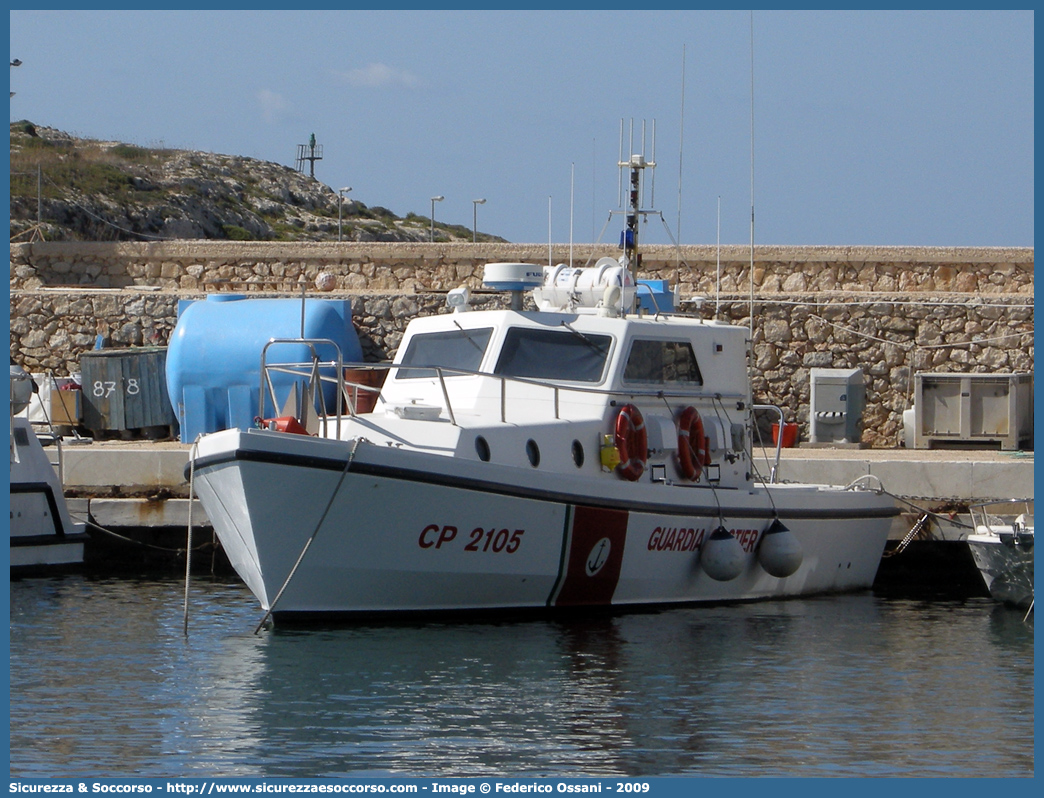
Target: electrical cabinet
<point x="838" y="399"/>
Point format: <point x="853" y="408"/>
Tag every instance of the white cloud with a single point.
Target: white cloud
<point x="272" y="105"/>
<point x="379" y="75"/>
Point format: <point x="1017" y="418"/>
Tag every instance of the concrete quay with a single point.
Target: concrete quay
<point x="959" y="475"/>
<point x="142" y="484"/>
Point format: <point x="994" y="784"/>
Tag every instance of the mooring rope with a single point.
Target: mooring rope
<point x="944" y="517"/>
<point x="188" y="533"/>
<point x="94" y="525"/>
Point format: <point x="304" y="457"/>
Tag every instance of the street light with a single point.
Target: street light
<point x="340" y="201"/>
<point x="439" y="198"/>
<point x="474" y="219"/>
<point x="15" y="63"/>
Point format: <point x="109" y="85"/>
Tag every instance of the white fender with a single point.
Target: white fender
<point x="780" y="553"/>
<point x="22" y="389"/>
<point x="721" y="556"/>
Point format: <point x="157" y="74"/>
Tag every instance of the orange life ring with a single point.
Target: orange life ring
<point x="693" y="446"/>
<point x="632" y="442"/>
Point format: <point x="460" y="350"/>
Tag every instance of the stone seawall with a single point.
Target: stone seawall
<point x="413" y="268"/>
<point x="890" y="311"/>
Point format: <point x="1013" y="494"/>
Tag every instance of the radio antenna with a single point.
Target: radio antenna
<point x="717" y="280"/>
<point x="752" y="178"/>
<point x="594" y="185"/>
<point x="681" y="143"/>
<point x="550" y="257"/>
<point x="572" y="174"/>
<point x="619" y="179"/>
<point x="652" y="155"/>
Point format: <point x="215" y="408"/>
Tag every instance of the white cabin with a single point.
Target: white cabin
<point x="542" y="390"/>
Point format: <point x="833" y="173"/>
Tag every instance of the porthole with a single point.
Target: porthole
<point x="578" y="454"/>
<point x="533" y="452"/>
<point x="482" y="448"/>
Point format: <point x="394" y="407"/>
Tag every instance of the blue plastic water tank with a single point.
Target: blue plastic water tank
<point x="214" y="356"/>
<point x="655" y="295"/>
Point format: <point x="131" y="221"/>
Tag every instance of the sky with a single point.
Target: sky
<point x="869" y="128"/>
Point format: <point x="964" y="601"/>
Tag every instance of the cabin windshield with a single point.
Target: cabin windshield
<point x="553" y="355"/>
<point x="662" y="363"/>
<point x="452" y="350"/>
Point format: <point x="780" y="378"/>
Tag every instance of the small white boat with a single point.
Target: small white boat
<point x="1002" y="547"/>
<point x="43" y="535"/>
<point x="585" y="453"/>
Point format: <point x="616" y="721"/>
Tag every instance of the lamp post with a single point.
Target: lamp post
<point x="474" y="218"/>
<point x="439" y="198"/>
<point x="340" y="201"/>
<point x="15" y="63"/>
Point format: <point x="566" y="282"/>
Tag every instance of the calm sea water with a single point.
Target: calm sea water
<point x="104" y="683"/>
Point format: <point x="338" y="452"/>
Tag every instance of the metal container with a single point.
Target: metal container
<point x="125" y="390"/>
<point x="973" y="409"/>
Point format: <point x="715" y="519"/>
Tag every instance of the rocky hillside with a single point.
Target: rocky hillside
<point x="85" y="190"/>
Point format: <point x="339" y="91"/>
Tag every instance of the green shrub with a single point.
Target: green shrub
<point x="236" y="233"/>
<point x="130" y="153"/>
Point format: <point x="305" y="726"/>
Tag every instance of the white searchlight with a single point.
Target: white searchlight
<point x="458" y="299"/>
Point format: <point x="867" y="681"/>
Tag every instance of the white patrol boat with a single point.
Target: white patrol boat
<point x="579" y="454"/>
<point x="43" y="535"/>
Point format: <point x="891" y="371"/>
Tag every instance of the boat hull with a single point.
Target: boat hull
<point x="1006" y="567"/>
<point x="43" y="536"/>
<point x="318" y="528"/>
<point x="31" y="556"/>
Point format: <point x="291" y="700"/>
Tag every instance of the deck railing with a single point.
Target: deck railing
<point x="774" y="468"/>
<point x="1008" y="515"/>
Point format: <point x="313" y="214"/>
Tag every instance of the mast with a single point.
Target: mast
<point x="636" y="164"/>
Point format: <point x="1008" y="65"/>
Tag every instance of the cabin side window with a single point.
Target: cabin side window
<point x="553" y="355"/>
<point x="662" y="363"/>
<point x="451" y="350"/>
